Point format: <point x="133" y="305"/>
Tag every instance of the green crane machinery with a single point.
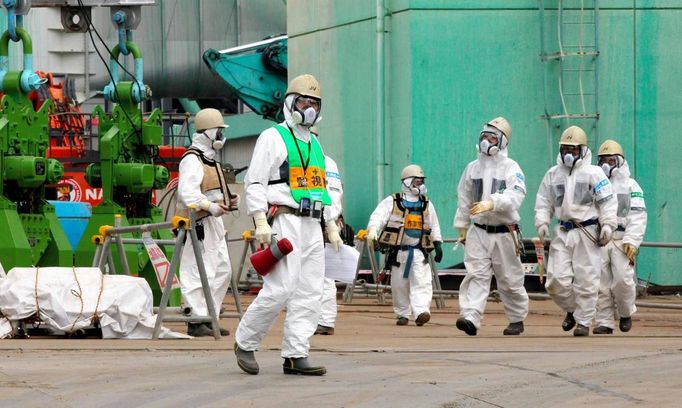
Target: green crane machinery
<point x="31" y="233"/>
<point x="256" y="72"/>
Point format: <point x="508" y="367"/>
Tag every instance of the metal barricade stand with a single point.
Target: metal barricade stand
<point x="362" y="246"/>
<point x="249" y="246"/>
<point x="112" y="235"/>
<point x="369" y="246"/>
<point x="234" y="285"/>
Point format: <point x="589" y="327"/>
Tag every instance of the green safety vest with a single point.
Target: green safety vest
<point x="309" y="181"/>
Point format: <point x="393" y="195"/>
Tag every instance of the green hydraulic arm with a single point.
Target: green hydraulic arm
<point x="31" y="233"/>
<point x="256" y="72"/>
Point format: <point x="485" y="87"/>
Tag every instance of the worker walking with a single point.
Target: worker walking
<point x="489" y="195"/>
<point x="581" y="197"/>
<point x="617" y="289"/>
<point x="201" y="182"/>
<point x="409" y="231"/>
<point x="287" y="179"/>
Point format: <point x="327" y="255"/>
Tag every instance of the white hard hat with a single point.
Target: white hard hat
<point x="305" y="85"/>
<point x="209" y="118"/>
<point x="610" y="147"/>
<point x="502" y="125"/>
<point x="411" y="170"/>
<point x="573" y="136"/>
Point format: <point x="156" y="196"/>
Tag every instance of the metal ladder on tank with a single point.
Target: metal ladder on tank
<point x="576" y="59"/>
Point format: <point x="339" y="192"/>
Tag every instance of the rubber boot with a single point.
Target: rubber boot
<point x="569" y="322"/>
<point x="423" y="318"/>
<point x="581" y="331"/>
<point x="514" y="329"/>
<point x="223" y="332"/>
<point x="300" y="366"/>
<point x="324" y="330"/>
<point x="199" y="330"/>
<point x="602" y="330"/>
<point x="466" y="326"/>
<point x="246" y="360"/>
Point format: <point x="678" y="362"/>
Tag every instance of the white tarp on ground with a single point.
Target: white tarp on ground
<point x="67" y="299"/>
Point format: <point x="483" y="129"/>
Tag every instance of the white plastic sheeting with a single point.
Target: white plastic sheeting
<point x="66" y="299"/>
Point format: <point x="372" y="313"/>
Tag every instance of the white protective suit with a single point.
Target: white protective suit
<point x="500" y="179"/>
<point x="412" y="295"/>
<point x="296" y="282"/>
<point x="574" y="263"/>
<point x="215" y="256"/>
<point x="617" y="287"/>
<point x="335" y="188"/>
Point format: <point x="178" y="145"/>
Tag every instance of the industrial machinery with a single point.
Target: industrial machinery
<point x="256" y="72"/>
<point x="127" y="171"/>
<point x="31" y="232"/>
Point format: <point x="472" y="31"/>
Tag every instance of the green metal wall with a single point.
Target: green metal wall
<point x="452" y="65"/>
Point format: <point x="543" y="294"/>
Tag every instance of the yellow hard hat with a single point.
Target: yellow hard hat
<point x="573" y="136"/>
<point x="411" y="170"/>
<point x="306" y="85"/>
<point x="209" y="118"/>
<point x="610" y="147"/>
<point x="502" y="125"/>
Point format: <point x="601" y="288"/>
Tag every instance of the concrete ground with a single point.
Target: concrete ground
<point x="371" y="362"/>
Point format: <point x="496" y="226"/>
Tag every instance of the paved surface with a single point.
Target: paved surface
<point x="371" y="363"/>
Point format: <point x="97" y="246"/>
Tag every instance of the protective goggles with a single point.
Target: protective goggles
<point x="304" y="102"/>
<point x="612" y="160"/>
<point x="492" y="138"/>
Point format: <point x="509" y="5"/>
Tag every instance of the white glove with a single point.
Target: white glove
<point x="543" y="232"/>
<point x="605" y="236"/>
<point x="333" y="235"/>
<point x="263" y="230"/>
<point x="234" y="201"/>
<point x="372" y="234"/>
<point x="481" y="207"/>
<point x="216" y="210"/>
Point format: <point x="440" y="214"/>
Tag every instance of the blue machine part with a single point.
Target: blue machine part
<point x="73" y="217"/>
<point x="256" y="72"/>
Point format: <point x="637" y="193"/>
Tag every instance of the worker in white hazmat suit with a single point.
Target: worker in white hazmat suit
<point x="409" y="231"/>
<point x="581" y="197"/>
<point x="286" y="178"/>
<point x="202" y="183"/>
<point x="328" y="311"/>
<point x="617" y="289"/>
<point x="489" y="196"/>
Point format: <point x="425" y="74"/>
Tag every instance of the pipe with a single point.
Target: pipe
<point x="86" y="65"/>
<point x="381" y="88"/>
<point x="189" y="105"/>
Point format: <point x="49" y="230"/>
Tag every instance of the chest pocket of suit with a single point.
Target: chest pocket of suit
<point x="582" y="194"/>
<point x="558" y="191"/>
<point x="477" y="187"/>
<point x="498" y="186"/>
<point x="623" y="204"/>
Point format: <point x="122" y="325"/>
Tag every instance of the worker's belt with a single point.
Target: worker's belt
<point x="278" y="181"/>
<point x="569" y="225"/>
<point x="407" y="247"/>
<point x="410" y="257"/>
<point x="283" y="209"/>
<point x="621" y="228"/>
<point x="496" y="229"/>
